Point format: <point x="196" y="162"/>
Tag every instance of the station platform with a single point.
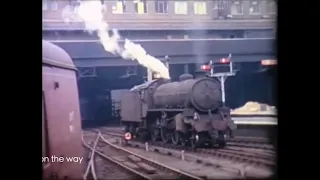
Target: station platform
<point x="255" y="120"/>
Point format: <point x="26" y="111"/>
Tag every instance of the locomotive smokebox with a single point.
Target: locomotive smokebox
<point x="202" y="94"/>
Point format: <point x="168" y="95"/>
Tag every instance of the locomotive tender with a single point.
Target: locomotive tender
<point x="189" y="111"/>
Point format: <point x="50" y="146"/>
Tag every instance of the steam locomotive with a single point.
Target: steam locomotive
<point x="187" y="112"/>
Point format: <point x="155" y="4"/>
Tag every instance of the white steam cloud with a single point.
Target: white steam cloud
<point x="91" y="13"/>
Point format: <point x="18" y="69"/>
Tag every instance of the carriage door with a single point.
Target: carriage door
<point x="45" y="144"/>
<point x="130" y="107"/>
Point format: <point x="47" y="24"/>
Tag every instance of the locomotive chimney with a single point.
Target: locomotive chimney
<point x="153" y="75"/>
<point x="149" y="75"/>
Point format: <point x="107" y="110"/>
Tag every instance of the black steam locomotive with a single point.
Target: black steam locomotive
<point x="189" y="111"/>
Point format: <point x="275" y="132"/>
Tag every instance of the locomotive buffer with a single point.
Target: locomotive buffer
<point x="221" y="76"/>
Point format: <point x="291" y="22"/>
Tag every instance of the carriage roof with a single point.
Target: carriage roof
<point x="55" y="56"/>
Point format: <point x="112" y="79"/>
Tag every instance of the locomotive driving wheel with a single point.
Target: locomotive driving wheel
<point x="155" y="134"/>
<point x="178" y="138"/>
<point x="175" y="138"/>
<point x="165" y="135"/>
<point x="194" y="139"/>
<point x="221" y="141"/>
<point x="142" y="135"/>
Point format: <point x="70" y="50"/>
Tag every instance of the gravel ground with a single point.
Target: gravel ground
<point x="226" y="165"/>
<point x="190" y="167"/>
<point x="107" y="170"/>
<point x="199" y="169"/>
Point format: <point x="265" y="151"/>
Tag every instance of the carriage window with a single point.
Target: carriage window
<point x="271" y="7"/>
<point x="237" y="7"/>
<point x="161" y="7"/>
<point x="141" y="7"/>
<point x="180" y="7"/>
<point x="200" y="8"/>
<point x="255" y="7"/>
<point x="120" y="7"/>
<point x="45" y="145"/>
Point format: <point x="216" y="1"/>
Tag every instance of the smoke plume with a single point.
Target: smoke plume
<point x="91" y="13"/>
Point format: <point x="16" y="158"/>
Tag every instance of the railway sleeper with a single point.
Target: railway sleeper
<point x="165" y="176"/>
<point x="119" y="158"/>
<point x="131" y="165"/>
<point x="134" y="158"/>
<point x="148" y="169"/>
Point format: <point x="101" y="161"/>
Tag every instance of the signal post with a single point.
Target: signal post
<point x="221" y="76"/>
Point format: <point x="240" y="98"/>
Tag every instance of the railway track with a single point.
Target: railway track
<point x="258" y="143"/>
<point x="253" y="145"/>
<point x="209" y="162"/>
<point x="109" y="161"/>
<point x="244" y="142"/>
<point x="268" y="153"/>
<point x="101" y="166"/>
<point x="255" y="157"/>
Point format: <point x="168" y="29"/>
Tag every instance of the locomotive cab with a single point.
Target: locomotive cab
<point x="135" y="105"/>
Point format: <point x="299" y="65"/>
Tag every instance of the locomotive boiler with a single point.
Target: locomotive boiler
<point x="202" y="94"/>
<point x="186" y="112"/>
